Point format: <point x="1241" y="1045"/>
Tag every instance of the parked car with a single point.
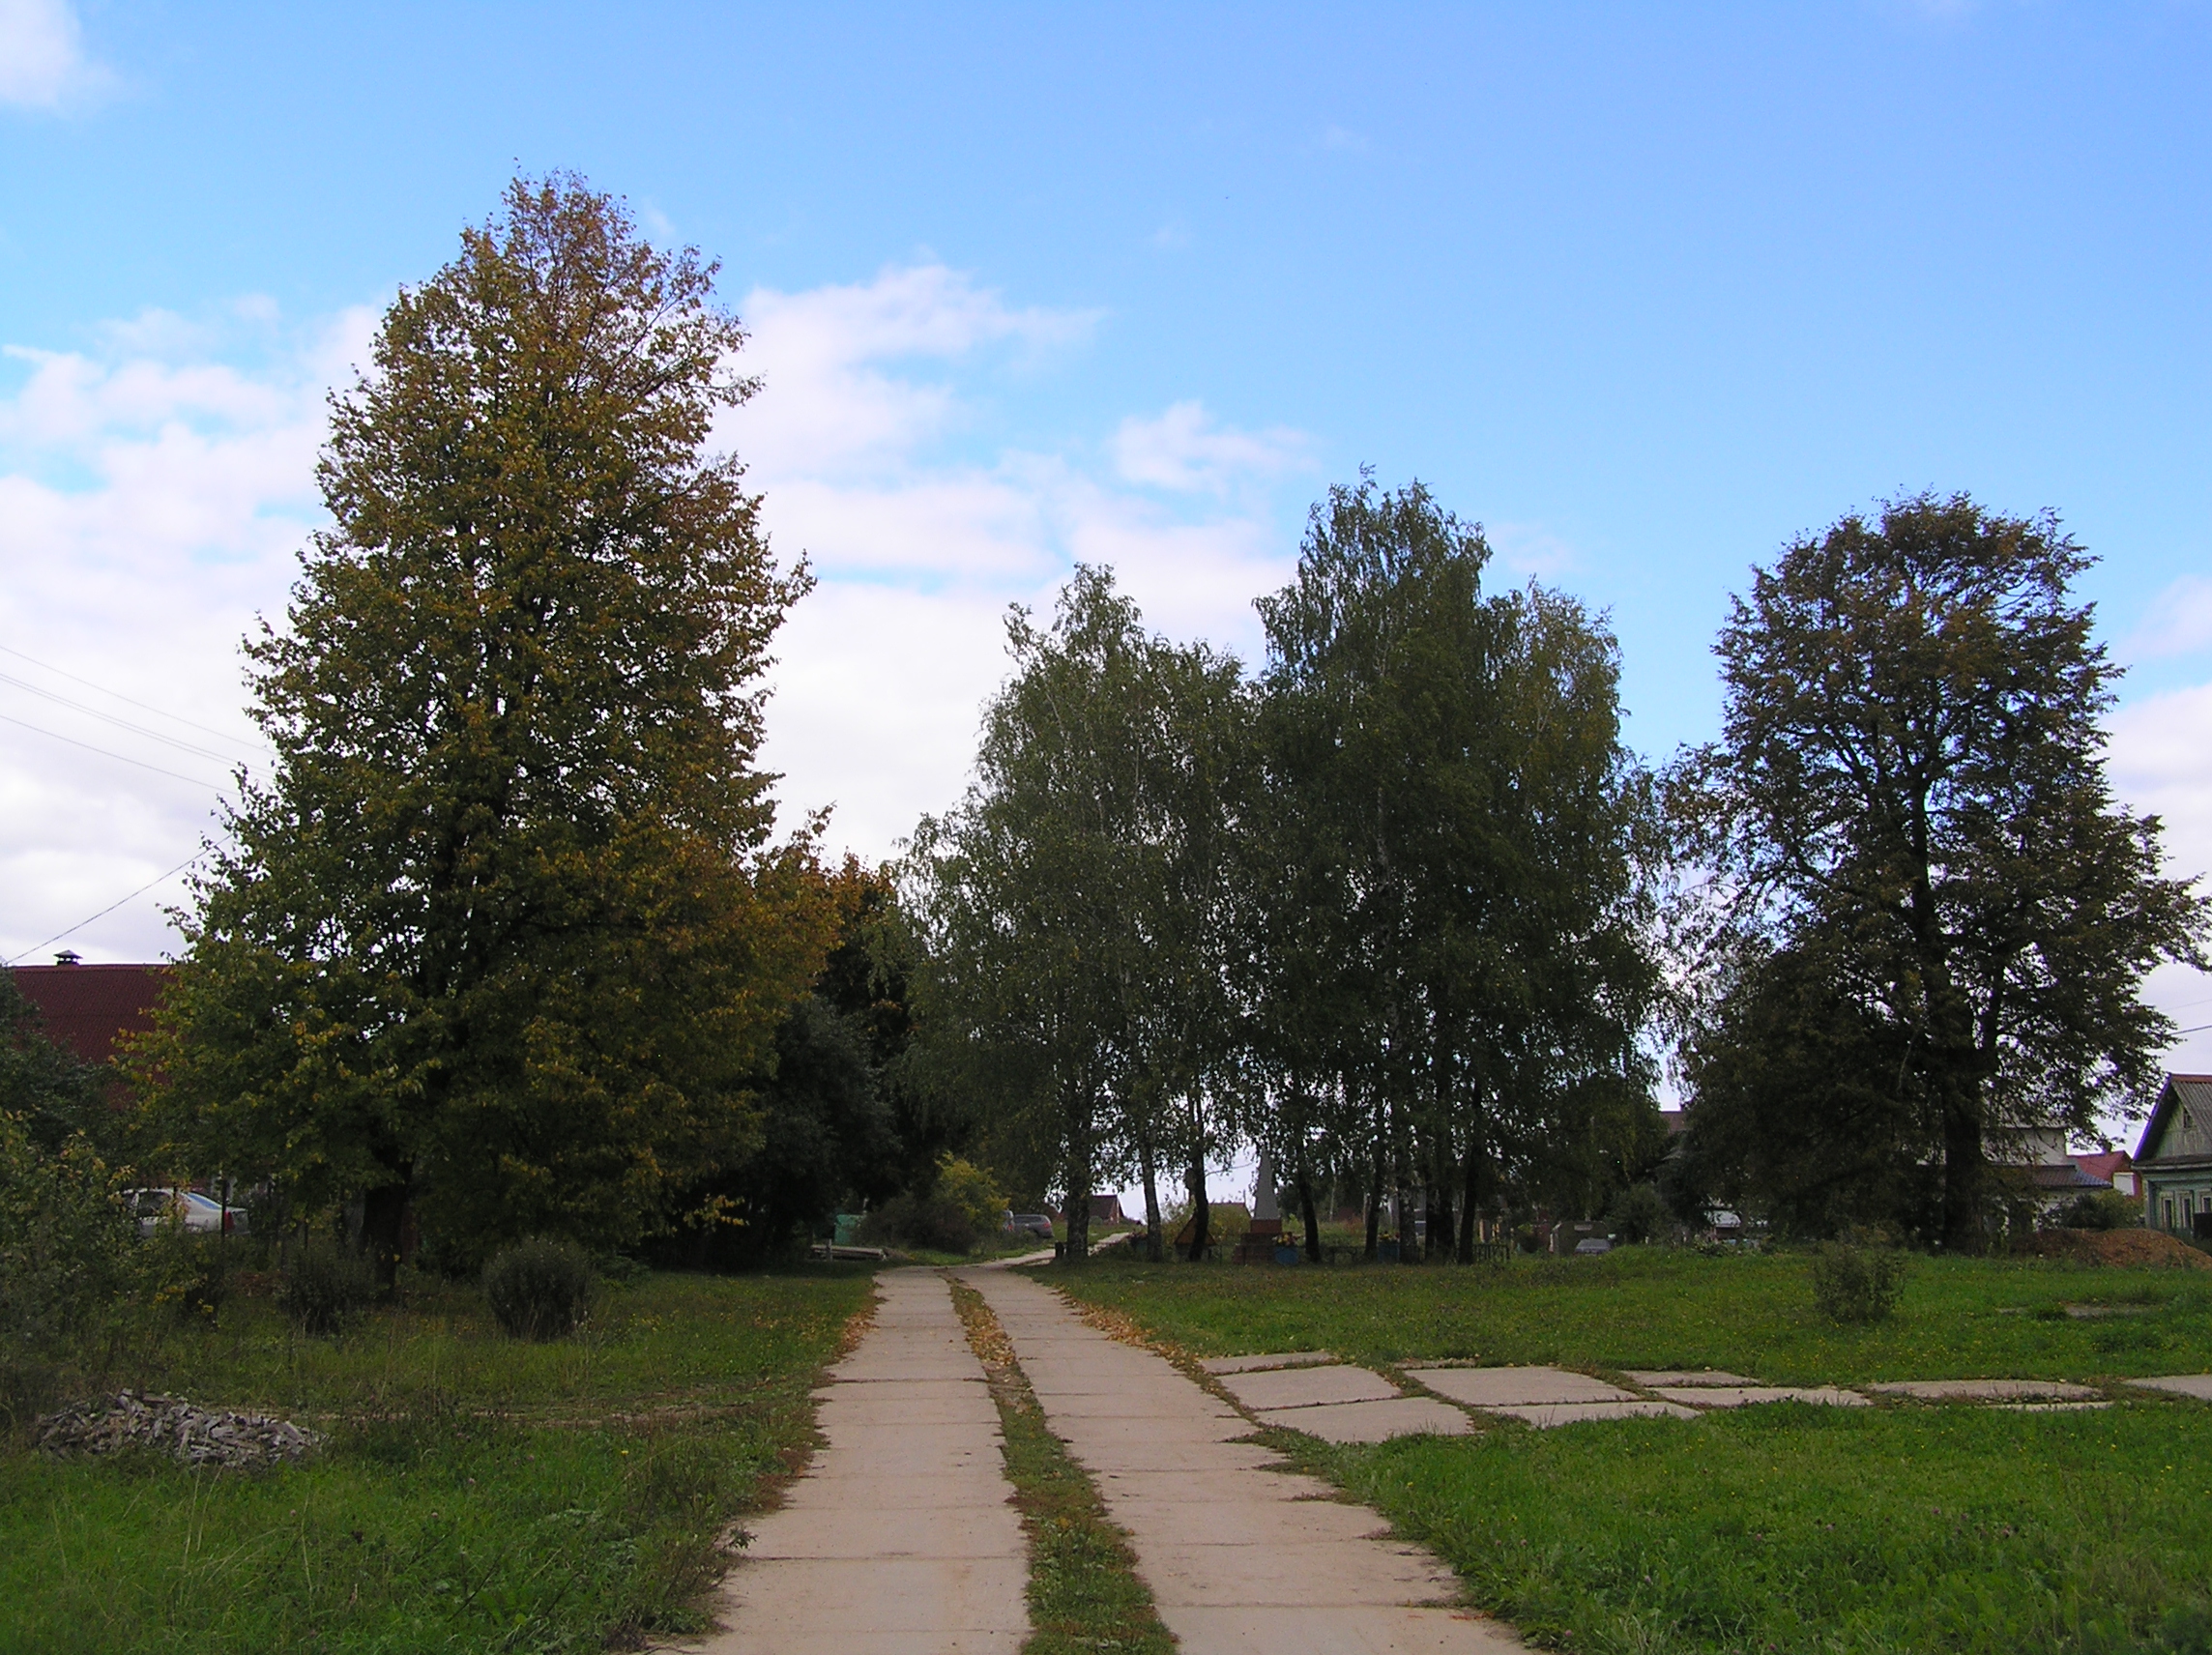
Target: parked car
<point x="1592" y="1245"/>
<point x="201" y="1214"/>
<point x="1034" y="1224"/>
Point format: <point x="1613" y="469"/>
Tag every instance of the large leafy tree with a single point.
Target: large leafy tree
<point x="1454" y="940"/>
<point x="504" y="936"/>
<point x="1911" y="787"/>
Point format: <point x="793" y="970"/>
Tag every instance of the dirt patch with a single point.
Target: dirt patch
<point x="2129" y="1248"/>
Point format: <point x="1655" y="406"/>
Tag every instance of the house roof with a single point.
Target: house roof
<point x="2194" y="1089"/>
<point x="2107" y="1164"/>
<point x="86" y="1008"/>
<point x="2066" y="1175"/>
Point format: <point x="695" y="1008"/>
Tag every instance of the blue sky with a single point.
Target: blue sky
<point x="1647" y="290"/>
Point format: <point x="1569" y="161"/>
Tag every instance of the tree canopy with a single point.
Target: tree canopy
<point x="503" y="938"/>
<point x="1908" y="798"/>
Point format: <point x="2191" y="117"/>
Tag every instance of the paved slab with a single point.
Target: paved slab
<point x="1752" y="1396"/>
<point x="901" y="1538"/>
<point x="1649" y="1376"/>
<point x="1222" y="1585"/>
<point x="1308" y="1388"/>
<point x="1548" y="1416"/>
<point x="1257" y="1364"/>
<point x="1372" y="1421"/>
<point x="2198" y="1385"/>
<point x="1515" y="1387"/>
<point x="1987" y="1390"/>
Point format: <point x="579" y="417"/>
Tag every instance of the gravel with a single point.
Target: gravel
<point x="194" y="1436"/>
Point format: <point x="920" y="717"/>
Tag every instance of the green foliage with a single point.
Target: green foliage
<point x="324" y="1286"/>
<point x="1639" y="1213"/>
<point x="49" y="1088"/>
<point x="540" y="1289"/>
<point x="504" y="931"/>
<point x="1909" y="791"/>
<point x="70" y="1269"/>
<point x="970" y="1189"/>
<point x="1856" y="1283"/>
<point x="2102" y="1209"/>
<point x="926" y="1221"/>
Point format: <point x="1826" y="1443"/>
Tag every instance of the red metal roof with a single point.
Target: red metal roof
<point x="2107" y="1164"/>
<point x="85" y="1007"/>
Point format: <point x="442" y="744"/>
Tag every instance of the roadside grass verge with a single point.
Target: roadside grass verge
<point x="1084" y="1592"/>
<point x="477" y="1494"/>
<point x="1655" y="1308"/>
<point x="1785" y="1528"/>
<point x="1796" y="1529"/>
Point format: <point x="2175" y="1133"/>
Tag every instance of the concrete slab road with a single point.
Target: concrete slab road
<point x="901" y="1538"/>
<point x="1241" y="1559"/>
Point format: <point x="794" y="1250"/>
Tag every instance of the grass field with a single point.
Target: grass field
<point x="1785" y="1528"/>
<point x="477" y="1494"/>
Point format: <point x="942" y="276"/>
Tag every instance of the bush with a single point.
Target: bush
<point x="970" y="1189"/>
<point x="325" y="1286"/>
<point x="1639" y="1213"/>
<point x="1856" y="1283"/>
<point x="192" y="1271"/>
<point x="931" y="1222"/>
<point x="540" y="1289"/>
<point x="69" y="1267"/>
<point x="2102" y="1209"/>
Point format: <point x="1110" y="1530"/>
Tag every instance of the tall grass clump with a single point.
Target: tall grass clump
<point x="1856" y="1283"/>
<point x="540" y="1289"/>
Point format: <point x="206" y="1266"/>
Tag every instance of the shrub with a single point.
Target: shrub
<point x="971" y="1189"/>
<point x="1639" y="1213"/>
<point x="1856" y="1283"/>
<point x="2102" y="1209"/>
<point x="540" y="1289"/>
<point x="324" y="1286"/>
<point x="192" y="1270"/>
<point x="909" y="1220"/>
<point x="69" y="1267"/>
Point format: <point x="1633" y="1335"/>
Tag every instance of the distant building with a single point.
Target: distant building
<point x="90" y="1008"/>
<point x="2115" y="1166"/>
<point x="1106" y="1209"/>
<point x="2173" y="1162"/>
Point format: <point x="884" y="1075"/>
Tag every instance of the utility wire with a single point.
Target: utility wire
<point x="142" y="706"/>
<point x="119" y="723"/>
<point x="110" y="908"/>
<point x="105" y="754"/>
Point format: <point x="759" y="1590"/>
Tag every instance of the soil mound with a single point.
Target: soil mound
<point x="2134" y="1248"/>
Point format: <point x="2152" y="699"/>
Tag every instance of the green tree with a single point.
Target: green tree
<point x="1910" y="783"/>
<point x="503" y="937"/>
<point x="1456" y="890"/>
<point x="49" y="1089"/>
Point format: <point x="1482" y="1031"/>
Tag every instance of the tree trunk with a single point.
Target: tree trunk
<point x="1077" y="1249"/>
<point x="1145" y="1158"/>
<point x="1375" y="1208"/>
<point x="1963" y="1167"/>
<point x="382" y="1221"/>
<point x="1309" y="1215"/>
<point x="1201" y="1210"/>
<point x="1467" y="1202"/>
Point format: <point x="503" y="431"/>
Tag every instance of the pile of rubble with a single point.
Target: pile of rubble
<point x="195" y="1435"/>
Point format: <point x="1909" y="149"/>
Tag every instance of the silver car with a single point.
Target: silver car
<point x="201" y="1214"/>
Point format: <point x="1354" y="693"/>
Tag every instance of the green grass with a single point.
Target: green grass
<point x="1084" y="1591"/>
<point x="477" y="1494"/>
<point x="1784" y="1528"/>
<point x="1653" y="1307"/>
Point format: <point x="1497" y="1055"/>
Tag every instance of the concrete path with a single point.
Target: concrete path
<point x="901" y="1538"/>
<point x="1241" y="1559"/>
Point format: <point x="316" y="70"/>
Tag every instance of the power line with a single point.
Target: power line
<point x="110" y="908"/>
<point x="142" y="706"/>
<point x="105" y="754"/>
<point x="119" y="723"/>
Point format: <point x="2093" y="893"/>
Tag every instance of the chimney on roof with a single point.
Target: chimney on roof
<point x="66" y="957"/>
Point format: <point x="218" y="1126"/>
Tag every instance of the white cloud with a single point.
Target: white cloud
<point x="149" y="508"/>
<point x="42" y="64"/>
<point x="2161" y="761"/>
<point x="1183" y="449"/>
<point x="153" y="493"/>
<point x="2178" y="622"/>
<point x="1531" y="549"/>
